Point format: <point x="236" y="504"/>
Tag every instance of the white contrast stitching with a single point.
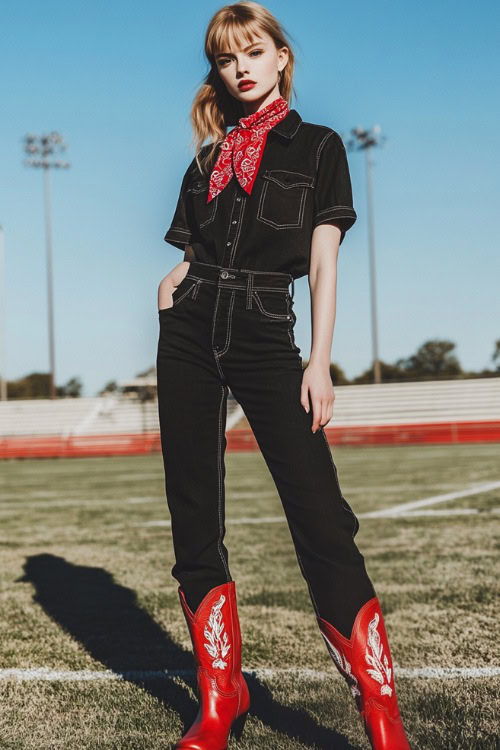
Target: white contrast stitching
<point x="221" y="484"/>
<point x="345" y="507"/>
<point x="283" y="316"/>
<point x="300" y="220"/>
<point x="178" y="299"/>
<point x="332" y="208"/>
<point x="320" y="147"/>
<point x="229" y="321"/>
<point x="259" y="288"/>
<point x="237" y="236"/>
<point x="269" y="174"/>
<point x="179" y="229"/>
<point x="213" y="336"/>
<point x="274" y="273"/>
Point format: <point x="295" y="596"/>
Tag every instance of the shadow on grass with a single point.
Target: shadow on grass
<point x="107" y="620"/>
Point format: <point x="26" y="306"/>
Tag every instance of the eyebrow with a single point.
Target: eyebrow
<point x="228" y="54"/>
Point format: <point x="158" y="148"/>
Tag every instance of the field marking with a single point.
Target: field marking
<point x="402" y="510"/>
<point x="368" y="515"/>
<point x="437" y="512"/>
<point x="8" y="507"/>
<point x="433" y="500"/>
<point x="229" y="521"/>
<point x="89" y="675"/>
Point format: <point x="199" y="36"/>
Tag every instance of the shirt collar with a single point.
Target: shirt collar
<point x="289" y="125"/>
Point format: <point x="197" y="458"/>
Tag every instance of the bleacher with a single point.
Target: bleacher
<point x="429" y="411"/>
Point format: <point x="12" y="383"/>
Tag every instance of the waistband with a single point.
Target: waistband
<point x="240" y="278"/>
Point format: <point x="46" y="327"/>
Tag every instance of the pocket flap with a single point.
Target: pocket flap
<point x="198" y="185"/>
<point x="288" y="179"/>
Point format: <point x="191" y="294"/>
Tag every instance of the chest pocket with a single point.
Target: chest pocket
<point x="196" y="195"/>
<point x="283" y="198"/>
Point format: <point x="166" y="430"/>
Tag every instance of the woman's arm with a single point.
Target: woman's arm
<point x="316" y="381"/>
<point x="174" y="278"/>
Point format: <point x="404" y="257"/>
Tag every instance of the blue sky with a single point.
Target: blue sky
<point x="117" y="80"/>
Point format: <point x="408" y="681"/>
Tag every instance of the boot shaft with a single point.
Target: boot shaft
<point x="364" y="659"/>
<point x="215" y="634"/>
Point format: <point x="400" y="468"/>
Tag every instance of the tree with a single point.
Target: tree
<point x="434" y="359"/>
<point x="388" y="373"/>
<point x="110" y="387"/>
<point x="72" y="389"/>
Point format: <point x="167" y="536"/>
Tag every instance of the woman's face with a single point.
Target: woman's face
<point x="260" y="62"/>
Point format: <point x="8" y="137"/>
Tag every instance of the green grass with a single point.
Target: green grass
<point x="84" y="585"/>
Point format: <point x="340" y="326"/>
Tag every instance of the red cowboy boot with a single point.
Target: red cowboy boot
<point x="364" y="660"/>
<point x="222" y="689"/>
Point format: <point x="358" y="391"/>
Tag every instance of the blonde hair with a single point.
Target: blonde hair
<point x="213" y="108"/>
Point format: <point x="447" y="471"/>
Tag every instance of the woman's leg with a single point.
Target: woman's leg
<point x="321" y="522"/>
<point x="192" y="405"/>
<point x="323" y="527"/>
<point x="192" y="401"/>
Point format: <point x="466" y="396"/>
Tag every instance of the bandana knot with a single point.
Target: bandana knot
<point x="242" y="149"/>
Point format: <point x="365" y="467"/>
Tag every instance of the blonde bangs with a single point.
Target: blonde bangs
<point x="232" y="33"/>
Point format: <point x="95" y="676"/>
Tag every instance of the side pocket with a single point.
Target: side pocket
<point x="273" y="304"/>
<point x="180" y="292"/>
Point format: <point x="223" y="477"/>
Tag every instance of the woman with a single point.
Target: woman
<point x="260" y="206"/>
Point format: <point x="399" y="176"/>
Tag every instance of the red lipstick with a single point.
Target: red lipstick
<point x="246" y="84"/>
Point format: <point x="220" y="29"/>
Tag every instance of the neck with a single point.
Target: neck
<point x="250" y="107"/>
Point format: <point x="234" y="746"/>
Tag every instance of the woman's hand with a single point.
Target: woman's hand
<point x="168" y="284"/>
<point x="317" y="383"/>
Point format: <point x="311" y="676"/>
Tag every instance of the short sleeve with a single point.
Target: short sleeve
<point x="333" y="191"/>
<point x="179" y="234"/>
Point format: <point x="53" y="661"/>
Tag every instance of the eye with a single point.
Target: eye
<point x="224" y="61"/>
<point x="256" y="51"/>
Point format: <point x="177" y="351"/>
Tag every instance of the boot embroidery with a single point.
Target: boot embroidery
<point x="217" y="645"/>
<point x="343" y="666"/>
<point x="381" y="669"/>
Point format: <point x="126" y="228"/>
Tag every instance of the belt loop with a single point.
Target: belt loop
<point x="249" y="291"/>
<point x="293" y="287"/>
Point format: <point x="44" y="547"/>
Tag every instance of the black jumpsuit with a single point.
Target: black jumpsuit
<point x="231" y="327"/>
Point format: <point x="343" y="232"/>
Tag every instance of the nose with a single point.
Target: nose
<point x="241" y="67"/>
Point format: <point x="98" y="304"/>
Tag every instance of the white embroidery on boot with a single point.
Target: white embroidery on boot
<point x="218" y="646"/>
<point x="343" y="665"/>
<point x="381" y="669"/>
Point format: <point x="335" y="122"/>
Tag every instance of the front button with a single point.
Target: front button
<point x="224" y="274"/>
<point x="233" y="222"/>
<point x="238" y="199"/>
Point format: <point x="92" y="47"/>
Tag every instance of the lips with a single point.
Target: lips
<point x="246" y="84"/>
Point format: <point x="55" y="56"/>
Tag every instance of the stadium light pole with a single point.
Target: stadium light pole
<point x="365" y="140"/>
<point x="3" y="358"/>
<point x="47" y="146"/>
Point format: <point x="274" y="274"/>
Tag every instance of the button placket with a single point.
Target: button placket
<point x="234" y="229"/>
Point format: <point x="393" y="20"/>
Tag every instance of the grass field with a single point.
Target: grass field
<point x="86" y="594"/>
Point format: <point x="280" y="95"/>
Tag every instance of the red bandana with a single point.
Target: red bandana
<point x="242" y="149"/>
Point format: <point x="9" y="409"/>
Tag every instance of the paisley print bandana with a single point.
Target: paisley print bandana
<point x="241" y="150"/>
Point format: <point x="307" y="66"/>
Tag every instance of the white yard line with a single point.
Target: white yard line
<point x="20" y="505"/>
<point x="282" y="519"/>
<point x="89" y="675"/>
<point x="396" y="511"/>
<point x="229" y="521"/>
<point x="433" y="500"/>
<point x="434" y="512"/>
